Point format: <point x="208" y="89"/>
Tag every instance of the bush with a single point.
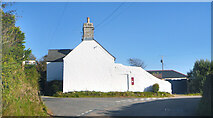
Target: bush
<point x="198" y="76"/>
<point x="201" y="82"/>
<point x="205" y="106"/>
<point x="155" y="88"/>
<point x="53" y="87"/>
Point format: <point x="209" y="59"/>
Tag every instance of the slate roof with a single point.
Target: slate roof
<point x="57" y="55"/>
<point x="168" y="73"/>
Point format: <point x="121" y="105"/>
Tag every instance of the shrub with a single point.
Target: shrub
<point x="205" y="105"/>
<point x="201" y="82"/>
<point x="155" y="88"/>
<point x="198" y="76"/>
<point x="53" y="87"/>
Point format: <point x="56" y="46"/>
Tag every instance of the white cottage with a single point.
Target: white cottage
<point x="90" y="67"/>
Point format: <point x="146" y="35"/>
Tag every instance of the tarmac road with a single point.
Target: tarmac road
<point x="175" y="106"/>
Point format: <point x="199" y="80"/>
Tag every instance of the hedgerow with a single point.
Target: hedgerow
<point x="19" y="83"/>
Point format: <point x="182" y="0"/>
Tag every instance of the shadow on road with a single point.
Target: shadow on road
<point x="166" y="107"/>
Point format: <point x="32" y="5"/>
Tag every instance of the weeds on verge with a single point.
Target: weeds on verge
<point x="77" y="94"/>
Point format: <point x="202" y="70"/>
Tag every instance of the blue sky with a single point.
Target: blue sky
<point x="180" y="32"/>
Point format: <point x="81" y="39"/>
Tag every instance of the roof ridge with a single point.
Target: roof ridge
<point x="159" y="70"/>
<point x="60" y="49"/>
<point x="179" y="72"/>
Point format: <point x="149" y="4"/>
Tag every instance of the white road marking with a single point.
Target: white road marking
<point x="129" y="100"/>
<point x="90" y="110"/>
<point x="85" y="112"/>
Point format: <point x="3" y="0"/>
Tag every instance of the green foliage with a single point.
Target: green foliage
<point x="19" y="84"/>
<point x="42" y="69"/>
<point x="53" y="86"/>
<point x="155" y="88"/>
<point x="32" y="75"/>
<point x="20" y="91"/>
<point x="193" y="94"/>
<point x="198" y="76"/>
<point x="205" y="106"/>
<point x="111" y="94"/>
<point x="13" y="39"/>
<point x="201" y="82"/>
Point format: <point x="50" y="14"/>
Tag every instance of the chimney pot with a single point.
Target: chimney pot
<point x="88" y="20"/>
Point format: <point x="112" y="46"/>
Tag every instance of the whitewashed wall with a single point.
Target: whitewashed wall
<point x="54" y="71"/>
<point x="143" y="80"/>
<point x="87" y="68"/>
<point x="90" y="67"/>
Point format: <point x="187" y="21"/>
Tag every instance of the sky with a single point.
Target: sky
<point x="180" y="32"/>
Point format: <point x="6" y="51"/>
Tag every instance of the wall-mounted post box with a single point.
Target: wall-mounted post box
<point x="132" y="80"/>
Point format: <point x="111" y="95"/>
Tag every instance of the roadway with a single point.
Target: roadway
<point x="173" y="106"/>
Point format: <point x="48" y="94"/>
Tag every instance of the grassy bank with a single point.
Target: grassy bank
<point x="20" y="92"/>
<point x="111" y="94"/>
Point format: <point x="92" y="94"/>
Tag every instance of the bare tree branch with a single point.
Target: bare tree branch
<point x="136" y="62"/>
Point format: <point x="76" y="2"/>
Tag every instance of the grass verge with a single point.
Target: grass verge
<point x="78" y="94"/>
<point x="190" y="94"/>
<point x="193" y="94"/>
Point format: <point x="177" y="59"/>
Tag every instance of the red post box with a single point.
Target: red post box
<point x="132" y="80"/>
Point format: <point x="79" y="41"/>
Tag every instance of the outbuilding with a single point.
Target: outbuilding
<point x="178" y="80"/>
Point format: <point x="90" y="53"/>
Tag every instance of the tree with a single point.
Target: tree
<point x="32" y="57"/>
<point x="205" y="106"/>
<point x="136" y="62"/>
<point x="198" y="75"/>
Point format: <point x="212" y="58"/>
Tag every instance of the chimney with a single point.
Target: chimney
<point x="88" y="30"/>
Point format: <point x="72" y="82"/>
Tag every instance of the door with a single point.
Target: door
<point x="127" y="82"/>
